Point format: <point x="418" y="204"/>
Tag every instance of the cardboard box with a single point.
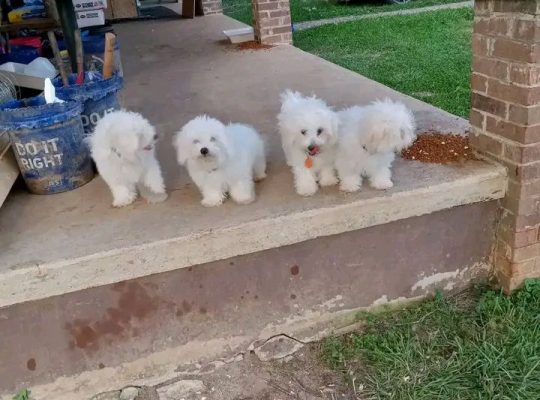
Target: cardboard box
<point x="9" y="170"/>
<point x="85" y="5"/>
<point x="90" y="18"/>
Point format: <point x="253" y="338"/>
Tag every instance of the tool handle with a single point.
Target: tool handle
<point x="108" y="57"/>
<point x="79" y="57"/>
<point x="58" y="58"/>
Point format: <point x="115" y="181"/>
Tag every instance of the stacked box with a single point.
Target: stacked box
<point x="90" y="12"/>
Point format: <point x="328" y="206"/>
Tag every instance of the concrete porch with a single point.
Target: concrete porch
<point x="127" y="295"/>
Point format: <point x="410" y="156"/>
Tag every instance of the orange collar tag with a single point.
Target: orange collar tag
<point x="308" y="163"/>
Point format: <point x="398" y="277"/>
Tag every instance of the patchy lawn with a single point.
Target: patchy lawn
<point x="309" y="10"/>
<point x="479" y="344"/>
<point x="427" y="56"/>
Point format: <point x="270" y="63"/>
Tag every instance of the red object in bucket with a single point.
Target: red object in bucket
<point x="33" y="41"/>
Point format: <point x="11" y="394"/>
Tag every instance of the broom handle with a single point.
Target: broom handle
<point x="79" y="56"/>
<point x="108" y="57"/>
<point x="57" y="57"/>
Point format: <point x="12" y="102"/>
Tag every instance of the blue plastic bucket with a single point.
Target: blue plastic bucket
<point x="93" y="49"/>
<point x="98" y="96"/>
<point x="47" y="140"/>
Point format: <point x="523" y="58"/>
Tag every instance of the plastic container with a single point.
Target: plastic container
<point x="41" y="67"/>
<point x="47" y="140"/>
<point x="98" y="96"/>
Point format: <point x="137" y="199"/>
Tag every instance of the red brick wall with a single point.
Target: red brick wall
<point x="506" y="125"/>
<point x="272" y="21"/>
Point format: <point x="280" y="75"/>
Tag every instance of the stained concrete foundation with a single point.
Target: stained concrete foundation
<point x="220" y="308"/>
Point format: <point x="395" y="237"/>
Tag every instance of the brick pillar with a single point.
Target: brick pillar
<point x="505" y="117"/>
<point x="212" y="7"/>
<point x="272" y="21"/>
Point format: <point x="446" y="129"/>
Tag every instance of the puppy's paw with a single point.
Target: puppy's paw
<point x="123" y="196"/>
<point x="157" y="188"/>
<point x="381" y="183"/>
<point x="153" y="198"/>
<point x="243" y="192"/>
<point x="328" y="180"/>
<point x="245" y="199"/>
<point x="306" y="188"/>
<point x="123" y="201"/>
<point x="259" y="177"/>
<point x="350" y="185"/>
<point x="212" y="201"/>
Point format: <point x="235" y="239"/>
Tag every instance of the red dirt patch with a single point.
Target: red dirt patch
<point x="253" y="45"/>
<point x="439" y="148"/>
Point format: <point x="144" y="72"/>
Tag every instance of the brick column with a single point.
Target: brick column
<point x="505" y="117"/>
<point x="272" y="21"/>
<point x="212" y="7"/>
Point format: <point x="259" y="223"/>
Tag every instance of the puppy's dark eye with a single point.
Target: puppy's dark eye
<point x="196" y="141"/>
<point x="364" y="147"/>
<point x="156" y="136"/>
<point x="212" y="139"/>
<point x="319" y="131"/>
<point x="303" y="131"/>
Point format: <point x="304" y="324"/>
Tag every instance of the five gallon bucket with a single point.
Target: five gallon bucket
<point x="47" y="140"/>
<point x="98" y="96"/>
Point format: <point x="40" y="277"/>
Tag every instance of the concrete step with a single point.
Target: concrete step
<point x="59" y="244"/>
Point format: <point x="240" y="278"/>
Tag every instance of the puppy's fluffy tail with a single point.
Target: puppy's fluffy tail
<point x="389" y="126"/>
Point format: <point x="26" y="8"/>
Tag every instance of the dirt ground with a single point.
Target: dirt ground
<point x="297" y="377"/>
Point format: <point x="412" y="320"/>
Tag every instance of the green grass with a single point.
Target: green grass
<point x="23" y="394"/>
<point x="427" y="56"/>
<point x="309" y="10"/>
<point x="479" y="345"/>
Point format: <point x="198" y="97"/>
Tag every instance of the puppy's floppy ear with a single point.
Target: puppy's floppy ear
<point x="334" y="125"/>
<point x="127" y="143"/>
<point x="225" y="141"/>
<point x="181" y="144"/>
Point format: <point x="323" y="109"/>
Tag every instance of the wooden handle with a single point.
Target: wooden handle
<point x="79" y="56"/>
<point x="58" y="57"/>
<point x="108" y="57"/>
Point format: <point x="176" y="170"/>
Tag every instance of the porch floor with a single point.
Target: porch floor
<point x="175" y="70"/>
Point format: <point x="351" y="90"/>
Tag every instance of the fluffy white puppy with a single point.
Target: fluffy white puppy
<point x="308" y="129"/>
<point x="369" y="138"/>
<point x="221" y="159"/>
<point x="123" y="147"/>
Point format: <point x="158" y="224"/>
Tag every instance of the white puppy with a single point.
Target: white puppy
<point x="123" y="147"/>
<point x="221" y="159"/>
<point x="369" y="138"/>
<point x="309" y="130"/>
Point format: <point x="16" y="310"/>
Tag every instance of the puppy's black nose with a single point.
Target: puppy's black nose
<point x="311" y="147"/>
<point x="204" y="151"/>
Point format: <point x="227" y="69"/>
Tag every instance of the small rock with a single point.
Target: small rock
<point x="189" y="369"/>
<point x="211" y="367"/>
<point x="147" y="393"/>
<point x="180" y="389"/>
<point x="129" y="393"/>
<point x="278" y="347"/>
<point x="113" y="395"/>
